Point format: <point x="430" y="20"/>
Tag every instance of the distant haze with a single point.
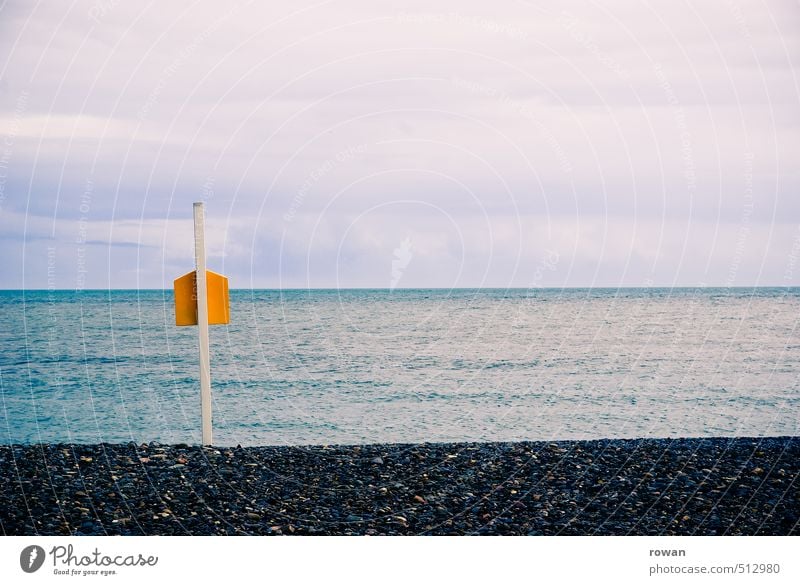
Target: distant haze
<point x="354" y="144"/>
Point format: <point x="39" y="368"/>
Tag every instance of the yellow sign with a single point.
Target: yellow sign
<point x="219" y="311"/>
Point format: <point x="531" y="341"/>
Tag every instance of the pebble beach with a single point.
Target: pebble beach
<point x="709" y="486"/>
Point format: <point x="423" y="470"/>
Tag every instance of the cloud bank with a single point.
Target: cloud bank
<point x="638" y="145"/>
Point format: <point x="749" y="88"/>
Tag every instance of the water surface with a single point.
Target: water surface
<point x="364" y="366"/>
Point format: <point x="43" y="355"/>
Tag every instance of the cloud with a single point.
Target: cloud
<point x="595" y="119"/>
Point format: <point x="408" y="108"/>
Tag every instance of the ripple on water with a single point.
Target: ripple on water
<point x="410" y="366"/>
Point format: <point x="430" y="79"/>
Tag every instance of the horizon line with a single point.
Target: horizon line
<point x="461" y="288"/>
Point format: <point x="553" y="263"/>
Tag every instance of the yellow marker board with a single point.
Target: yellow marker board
<point x="219" y="311"/>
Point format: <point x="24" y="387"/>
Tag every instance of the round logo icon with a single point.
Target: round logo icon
<point x="31" y="558"/>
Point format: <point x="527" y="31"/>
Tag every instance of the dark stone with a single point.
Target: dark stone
<point x="724" y="486"/>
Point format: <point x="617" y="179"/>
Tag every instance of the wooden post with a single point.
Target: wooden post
<point x="202" y="321"/>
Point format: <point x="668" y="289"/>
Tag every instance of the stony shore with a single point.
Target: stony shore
<point x="648" y="486"/>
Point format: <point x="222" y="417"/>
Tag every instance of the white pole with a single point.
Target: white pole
<point x="202" y="320"/>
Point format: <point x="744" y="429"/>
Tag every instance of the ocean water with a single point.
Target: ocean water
<point x="364" y="366"/>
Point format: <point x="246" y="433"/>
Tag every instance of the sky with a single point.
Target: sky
<point x="362" y="144"/>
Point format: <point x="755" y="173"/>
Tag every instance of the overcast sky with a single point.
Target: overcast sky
<point x="449" y="144"/>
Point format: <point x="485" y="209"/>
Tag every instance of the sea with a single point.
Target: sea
<point x="301" y="367"/>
